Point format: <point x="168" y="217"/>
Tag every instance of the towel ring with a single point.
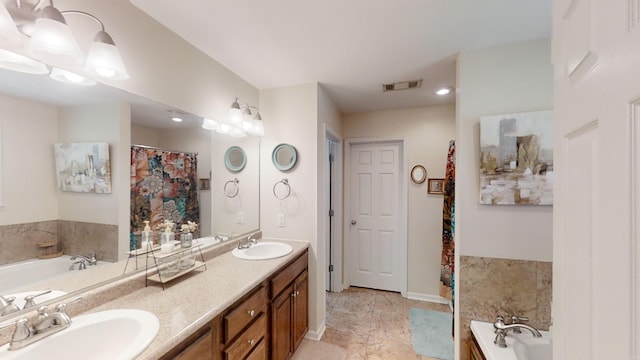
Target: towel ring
<point x="231" y="192"/>
<point x="284" y="182"/>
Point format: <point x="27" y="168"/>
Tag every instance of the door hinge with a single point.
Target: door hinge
<point x="331" y="212"/>
<point x="330" y="268"/>
<point x="331" y="158"/>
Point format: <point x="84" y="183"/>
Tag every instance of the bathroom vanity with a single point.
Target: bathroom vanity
<point x="242" y="330"/>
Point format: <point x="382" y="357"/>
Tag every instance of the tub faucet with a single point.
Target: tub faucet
<point x="29" y="331"/>
<point x="245" y="244"/>
<point x="501" y="330"/>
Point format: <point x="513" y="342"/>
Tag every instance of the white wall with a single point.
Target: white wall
<point x="427" y="132"/>
<point x="291" y="116"/>
<point x="499" y="80"/>
<point x="28" y="133"/>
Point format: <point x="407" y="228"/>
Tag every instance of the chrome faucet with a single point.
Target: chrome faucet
<point x="501" y="329"/>
<point x="28" y="331"/>
<point x="82" y="261"/>
<point x="246" y="243"/>
<point x="7" y="306"/>
<point x="29" y="299"/>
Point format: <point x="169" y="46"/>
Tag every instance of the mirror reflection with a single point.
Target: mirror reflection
<point x="235" y="159"/>
<point x="39" y="220"/>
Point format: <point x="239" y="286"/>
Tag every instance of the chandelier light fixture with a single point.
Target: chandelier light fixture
<point x="35" y="38"/>
<point x="240" y="121"/>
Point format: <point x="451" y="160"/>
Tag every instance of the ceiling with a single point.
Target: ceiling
<point x="351" y="47"/>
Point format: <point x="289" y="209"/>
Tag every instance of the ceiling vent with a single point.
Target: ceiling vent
<point x="403" y="85"/>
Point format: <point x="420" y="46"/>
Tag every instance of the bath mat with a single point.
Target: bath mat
<point x="431" y="333"/>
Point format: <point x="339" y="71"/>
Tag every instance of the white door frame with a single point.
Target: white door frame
<point x="336" y="249"/>
<point x="349" y="142"/>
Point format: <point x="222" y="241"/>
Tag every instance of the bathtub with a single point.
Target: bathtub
<point x="19" y="275"/>
<point x="519" y="346"/>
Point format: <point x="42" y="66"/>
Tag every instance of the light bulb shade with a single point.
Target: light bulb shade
<point x="70" y="77"/>
<point x="235" y="116"/>
<point x="209" y="124"/>
<point x="52" y="41"/>
<point x="237" y="132"/>
<point x="16" y="62"/>
<point x="9" y="36"/>
<point x="257" y="128"/>
<point x="104" y="59"/>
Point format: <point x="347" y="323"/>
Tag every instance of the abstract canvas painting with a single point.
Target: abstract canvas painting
<point x="83" y="167"/>
<point x="516" y="160"/>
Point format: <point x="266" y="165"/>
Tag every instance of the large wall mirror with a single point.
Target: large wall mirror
<point x="38" y="112"/>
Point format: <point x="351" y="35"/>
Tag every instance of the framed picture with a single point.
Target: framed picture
<point x="435" y="186"/>
<point x="83" y="167"/>
<point x="418" y="174"/>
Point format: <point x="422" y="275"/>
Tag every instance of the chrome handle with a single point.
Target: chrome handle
<point x="251" y="313"/>
<point x="293" y="294"/>
<point x="353" y="222"/>
<point x="297" y="293"/>
<point x="251" y="342"/>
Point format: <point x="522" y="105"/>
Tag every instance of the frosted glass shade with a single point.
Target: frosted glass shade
<point x="257" y="128"/>
<point x="104" y="60"/>
<point x="237" y="132"/>
<point x="9" y="36"/>
<point x="52" y="42"/>
<point x="235" y="116"/>
<point x="70" y="77"/>
<point x="16" y="62"/>
<point x="209" y="124"/>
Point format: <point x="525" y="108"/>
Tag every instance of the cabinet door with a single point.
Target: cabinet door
<point x="300" y="309"/>
<point x="281" y="316"/>
<point x="200" y="349"/>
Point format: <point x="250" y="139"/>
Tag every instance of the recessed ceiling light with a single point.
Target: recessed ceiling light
<point x="176" y="119"/>
<point x="445" y="90"/>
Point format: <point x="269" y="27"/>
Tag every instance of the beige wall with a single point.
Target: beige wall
<point x="28" y="131"/>
<point x="427" y="132"/>
<point x="498" y="80"/>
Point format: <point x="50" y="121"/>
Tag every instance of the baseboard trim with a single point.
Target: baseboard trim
<point x="317" y="335"/>
<point x="428" y="298"/>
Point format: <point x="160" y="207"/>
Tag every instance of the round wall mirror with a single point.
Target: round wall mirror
<point x="418" y="174"/>
<point x="235" y="159"/>
<point x="284" y="157"/>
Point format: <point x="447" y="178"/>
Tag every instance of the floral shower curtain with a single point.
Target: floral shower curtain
<point x="163" y="187"/>
<point x="447" y="267"/>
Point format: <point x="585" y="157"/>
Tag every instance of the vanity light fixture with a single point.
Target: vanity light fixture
<point x="240" y="122"/>
<point x="445" y="90"/>
<point x="43" y="31"/>
<point x="69" y="77"/>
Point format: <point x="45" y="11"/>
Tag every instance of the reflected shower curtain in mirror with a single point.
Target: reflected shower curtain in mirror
<point x="447" y="266"/>
<point x="163" y="187"/>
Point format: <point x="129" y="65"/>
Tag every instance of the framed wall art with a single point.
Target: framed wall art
<point x="83" y="167"/>
<point x="435" y="186"/>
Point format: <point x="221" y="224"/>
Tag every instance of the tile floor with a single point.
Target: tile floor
<point x="372" y="324"/>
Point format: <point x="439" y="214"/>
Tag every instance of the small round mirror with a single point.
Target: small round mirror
<point x="418" y="174"/>
<point x="235" y="159"/>
<point x="284" y="157"/>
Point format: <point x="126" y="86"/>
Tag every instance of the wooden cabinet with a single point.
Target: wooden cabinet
<point x="245" y="327"/>
<point x="289" y="308"/>
<point x="475" y="353"/>
<point x="269" y="322"/>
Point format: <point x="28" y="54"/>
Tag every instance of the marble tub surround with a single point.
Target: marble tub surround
<point x="187" y="303"/>
<point x="20" y="241"/>
<point x="490" y="286"/>
<point x="81" y="238"/>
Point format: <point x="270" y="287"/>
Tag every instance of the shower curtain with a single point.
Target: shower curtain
<point x="163" y="187"/>
<point x="447" y="266"/>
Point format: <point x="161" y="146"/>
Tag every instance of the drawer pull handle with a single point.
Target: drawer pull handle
<point x="251" y="342"/>
<point x="293" y="294"/>
<point x="251" y="313"/>
<point x="297" y="293"/>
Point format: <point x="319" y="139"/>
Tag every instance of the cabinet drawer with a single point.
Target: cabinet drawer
<point x="287" y="275"/>
<point x="244" y="313"/>
<point x="259" y="352"/>
<point x="248" y="340"/>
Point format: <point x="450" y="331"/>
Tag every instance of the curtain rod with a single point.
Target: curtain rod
<point x="157" y="148"/>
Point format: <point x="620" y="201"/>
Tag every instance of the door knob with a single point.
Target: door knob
<point x="353" y="222"/>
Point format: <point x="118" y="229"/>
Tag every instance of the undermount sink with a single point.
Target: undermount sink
<point x="263" y="251"/>
<point x="110" y="334"/>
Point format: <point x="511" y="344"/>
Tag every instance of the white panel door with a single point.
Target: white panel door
<point x="596" y="251"/>
<point x="374" y="238"/>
